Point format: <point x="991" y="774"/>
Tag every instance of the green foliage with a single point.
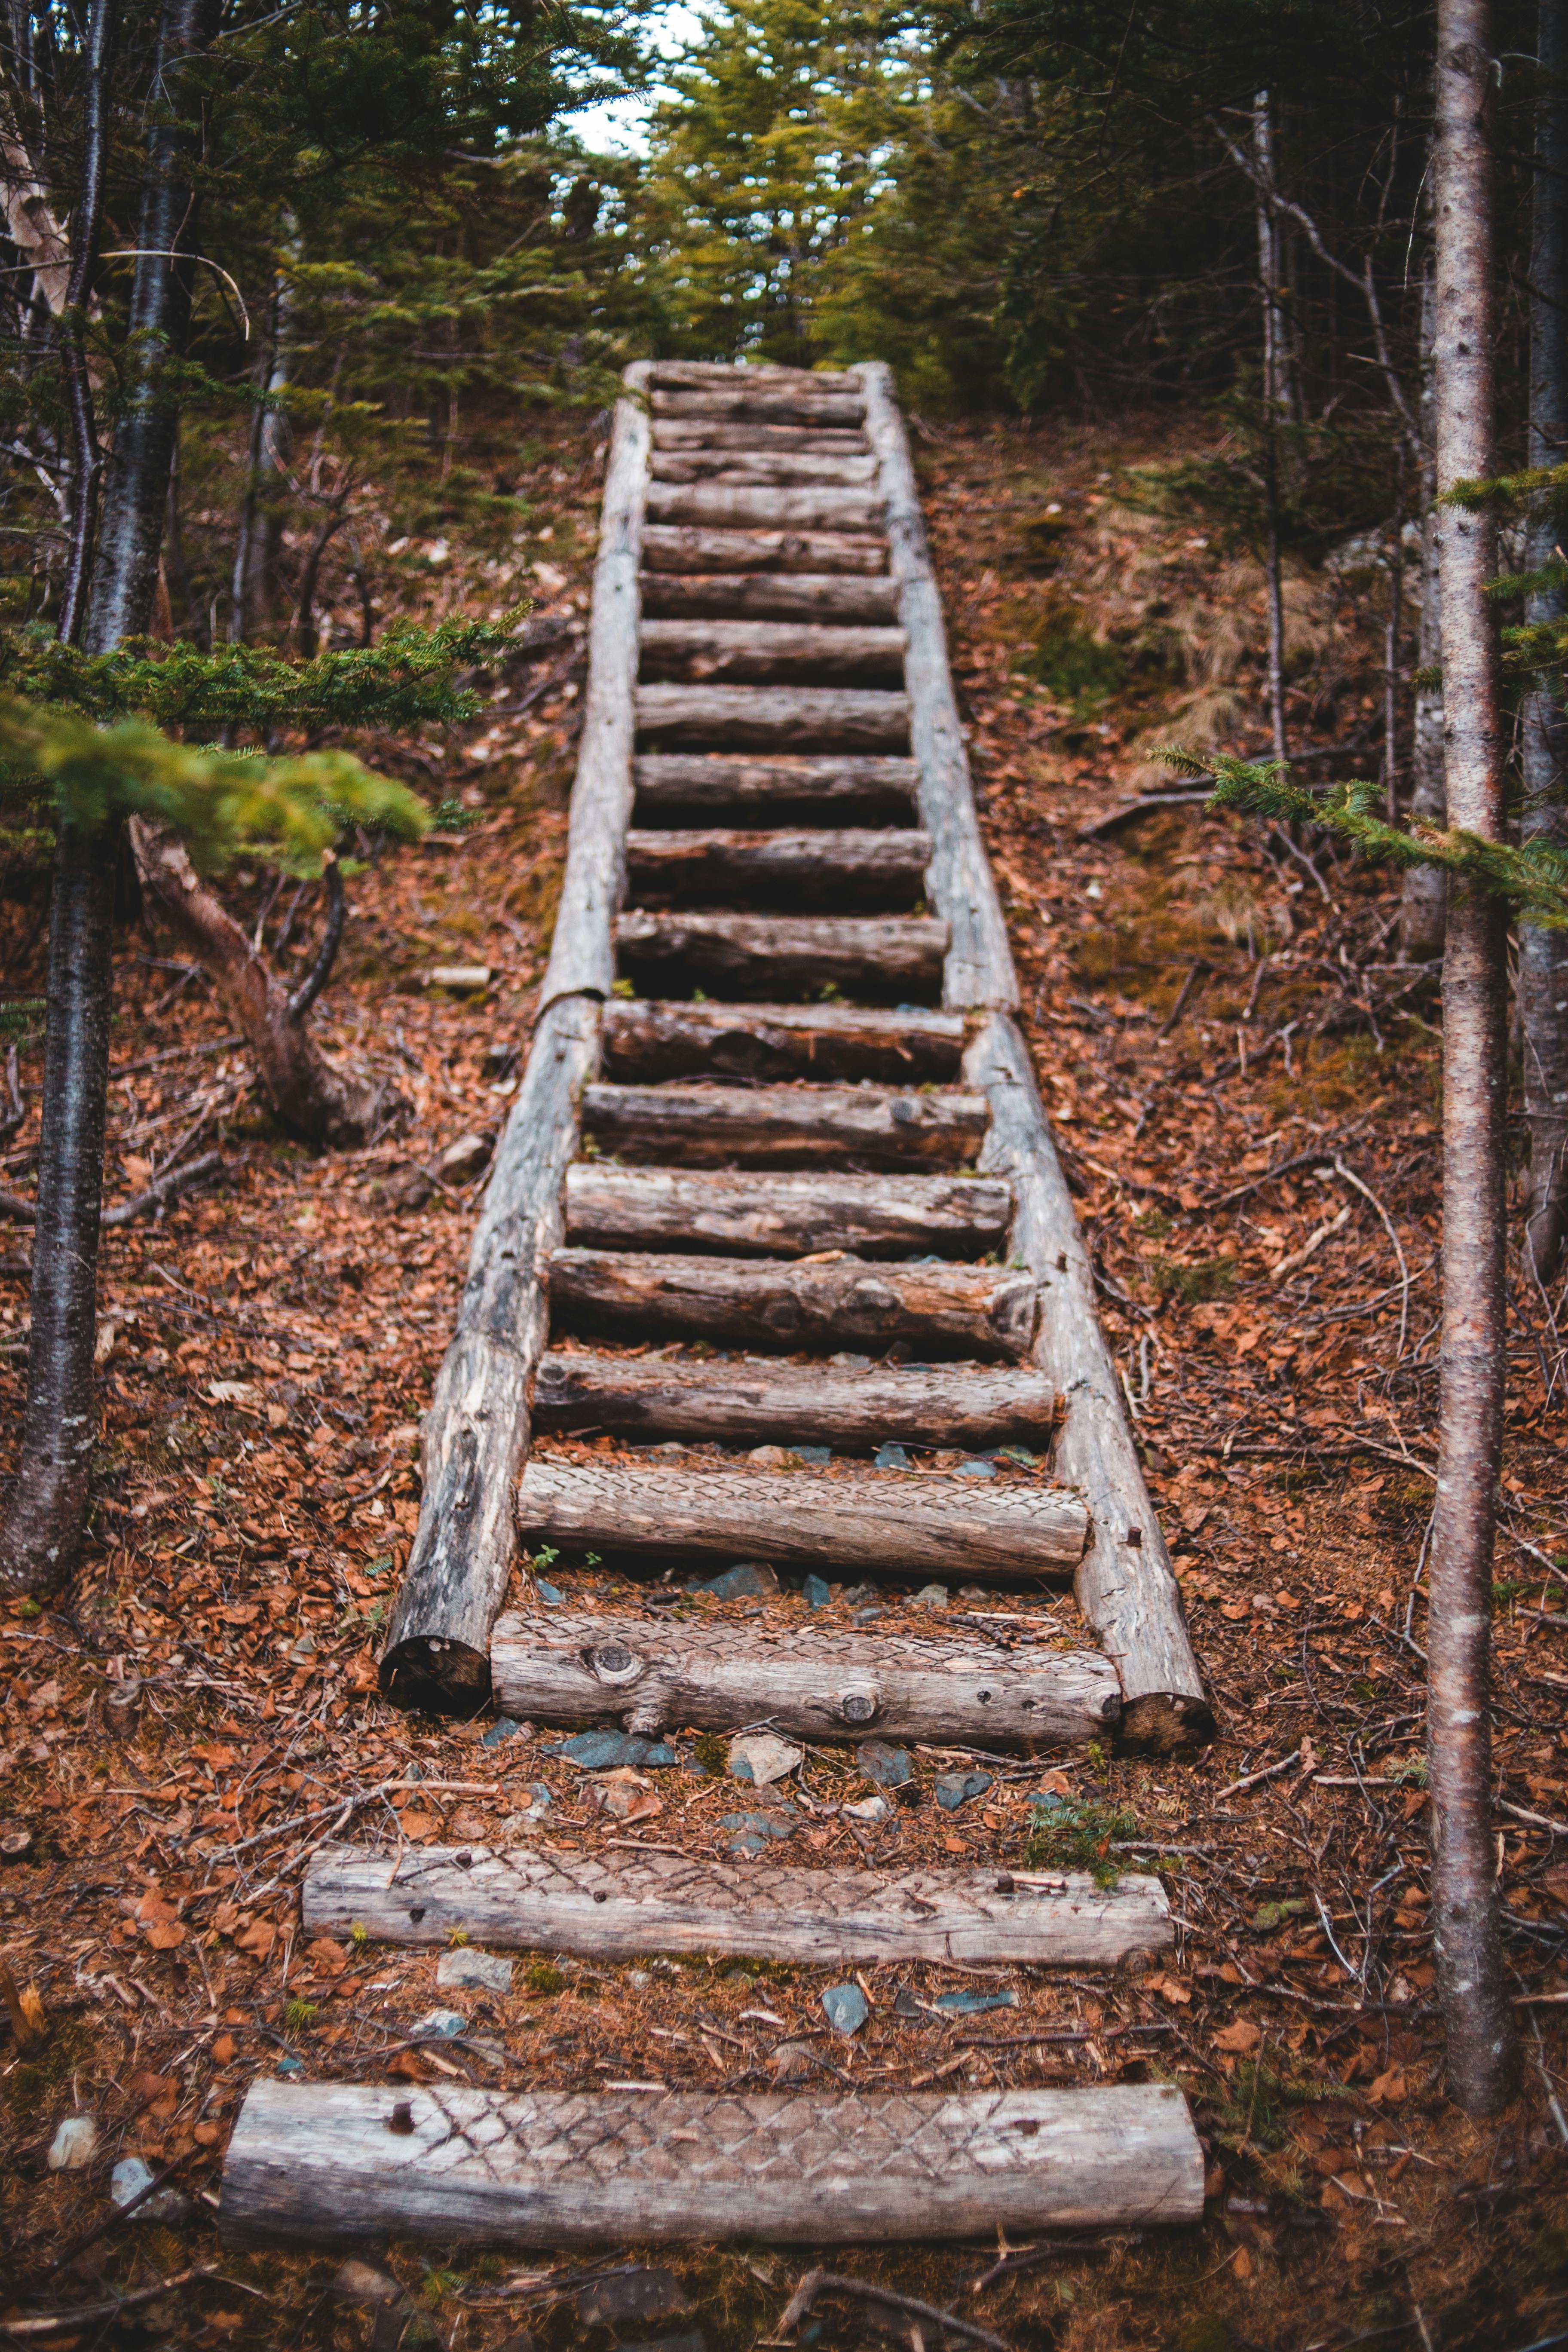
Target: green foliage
<point x="1532" y="879"/>
<point x="1194" y="1282"/>
<point x="297" y="2013"/>
<point x="1076" y="1833"/>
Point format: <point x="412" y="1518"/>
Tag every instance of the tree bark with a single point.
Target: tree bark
<point x="1274" y="410"/>
<point x="772" y="652"/>
<point x="784" y="1126"/>
<point x="1543" y="954"/>
<point x="796" y="404"/>
<point x="1424" y="895"/>
<point x="771" y="597"/>
<point x="648" y="1041"/>
<point x="102" y="25"/>
<point x="771" y="719"/>
<point x="675" y="547"/>
<point x="1472" y="1982"/>
<point x="760" y="468"/>
<point x="809" y="440"/>
<point x="768" y="955"/>
<point x="789" y="1216"/>
<point x="675" y="789"/>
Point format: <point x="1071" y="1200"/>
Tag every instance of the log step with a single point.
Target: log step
<point x="788" y="405"/>
<point x="847" y="790"/>
<point x="701" y="433"/>
<point x="771" y="719"/>
<point x="942" y="1310"/>
<point x="760" y="652"/>
<point x="783" y="1127"/>
<point x="890" y="1523"/>
<point x="788" y="1216"/>
<point x="876" y="868"/>
<point x="619" y="1906"/>
<point x="767" y="955"/>
<point x="747" y="375"/>
<point x="755" y="468"/>
<point x="341" y="2163"/>
<point x="758" y="1400"/>
<point x="648" y="1040"/>
<point x="714" y="506"/>
<point x="769" y="596"/>
<point x="678" y="547"/>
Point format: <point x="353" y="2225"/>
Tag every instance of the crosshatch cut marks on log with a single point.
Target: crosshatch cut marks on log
<point x="788" y="1216"/>
<point x="618" y="1906"/>
<point x="647" y="1675"/>
<point x="646" y="1041"/>
<point x="945" y="1310"/>
<point x="331" y="2164"/>
<point x="756" y="1399"/>
<point x="784" y="1126"/>
<point x="888" y="1523"/>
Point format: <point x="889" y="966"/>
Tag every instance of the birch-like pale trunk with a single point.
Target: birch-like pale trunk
<point x="1472" y="1984"/>
<point x="1543" y="954"/>
<point x="1275" y="406"/>
<point x="1424" y="897"/>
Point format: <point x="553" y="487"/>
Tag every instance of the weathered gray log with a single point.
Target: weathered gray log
<point x="784" y="1126"/>
<point x="787" y="1216"/>
<point x="792" y="405"/>
<point x="769" y="955"/>
<point x="647" y="1041"/>
<point x="980" y="962"/>
<point x="619" y="1906"/>
<point x="748" y="375"/>
<point x="887" y="1522"/>
<point x="763" y="652"/>
<point x="344" y="2164"/>
<point x="1125" y="1587"/>
<point x="719" y="864"/>
<point x="716" y="508"/>
<point x="581" y="956"/>
<point x="775" y="792"/>
<point x="701" y="433"/>
<point x="678" y="548"/>
<point x="760" y="1398"/>
<point x="772" y="718"/>
<point x="476" y="1432"/>
<point x="844" y="1302"/>
<point x="754" y="469"/>
<point x="769" y="596"/>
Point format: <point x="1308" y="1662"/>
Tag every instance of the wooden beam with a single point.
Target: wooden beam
<point x="1125" y="1585"/>
<point x="885" y="1523"/>
<point x="771" y="719"/>
<point x="750" y="376"/>
<point x="623" y="1907"/>
<point x="476" y="1432"/>
<point x="763" y="652"/>
<point x="769" y="955"/>
<point x="678" y="548"/>
<point x="783" y="407"/>
<point x="754" y="469"/>
<point x="769" y="596"/>
<point x="343" y="2164"/>
<point x="736" y="1216"/>
<point x="757" y="1399"/>
<point x="980" y="961"/>
<point x="581" y="959"/>
<point x="718" y="865"/>
<point x="647" y="1041"/>
<point x="834" y="791"/>
<point x="784" y="1126"/>
<point x="715" y="508"/>
<point x="701" y="433"/>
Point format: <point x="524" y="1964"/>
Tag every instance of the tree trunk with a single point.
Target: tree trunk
<point x="1472" y="1983"/>
<point x="1425" y="898"/>
<point x="103" y="22"/>
<point x="1274" y="408"/>
<point x="306" y="1090"/>
<point x="1543" y="955"/>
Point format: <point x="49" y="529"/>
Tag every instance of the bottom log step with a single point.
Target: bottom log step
<point x="622" y="1905"/>
<point x="339" y="2164"/>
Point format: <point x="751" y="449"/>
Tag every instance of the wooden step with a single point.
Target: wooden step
<point x="340" y="2163"/>
<point x="678" y="548"/>
<point x="754" y="469"/>
<point x="647" y="1040"/>
<point x="672" y="787"/>
<point x="790" y="1304"/>
<point x="702" y="433"/>
<point x="762" y="652"/>
<point x="745" y="375"/>
<point x="770" y="955"/>
<point x="769" y="596"/>
<point x="792" y="406"/>
<point x="621" y="1907"/>
<point x="771" y="719"/>
<point x="884" y="1523"/>
<point x="713" y="506"/>
<point x="786" y="1216"/>
<point x="759" y="1399"/>
<point x="795" y="1126"/>
<point x="718" y="866"/>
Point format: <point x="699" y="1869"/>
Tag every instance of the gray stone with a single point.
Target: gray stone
<point x="867" y="1809"/>
<point x="129" y="2177"/>
<point x="463" y="1969"/>
<point x="608" y="1751"/>
<point x="817" y="1593"/>
<point x="969" y="2003"/>
<point x="955" y="1788"/>
<point x="505" y="1727"/>
<point x="749" y="1579"/>
<point x="846" y="2008"/>
<point x="762" y="1758"/>
<point x="750" y="1832"/>
<point x="889" y="1767"/>
<point x="444" y="2022"/>
<point x="73" y="2146"/>
<point x="641" y="2294"/>
<point x="975" y="1467"/>
<point x="931" y="1596"/>
<point x="890" y="1457"/>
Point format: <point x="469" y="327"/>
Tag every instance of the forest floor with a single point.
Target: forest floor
<point x="1243" y="1081"/>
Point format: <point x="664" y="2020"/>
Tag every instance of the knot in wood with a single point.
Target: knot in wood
<point x="401" y="2119"/>
<point x="616" y="1663"/>
<point x="859" y="1706"/>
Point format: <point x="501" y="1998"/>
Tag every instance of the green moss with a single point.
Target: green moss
<point x="1074" y="1833"/>
<point x="1196" y="1282"/>
<point x="544" y="1976"/>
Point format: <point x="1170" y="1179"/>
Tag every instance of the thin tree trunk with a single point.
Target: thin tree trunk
<point x="1472" y="1983"/>
<point x="43" y="1529"/>
<point x="103" y="17"/>
<point x="1543" y="954"/>
<point x="1423" y="910"/>
<point x="1391" y="658"/>
<point x="1275" y="406"/>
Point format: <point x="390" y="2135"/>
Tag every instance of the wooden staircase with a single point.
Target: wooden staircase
<point x="779" y="1122"/>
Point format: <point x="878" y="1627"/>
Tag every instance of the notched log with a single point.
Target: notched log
<point x="674" y="789"/>
<point x="723" y="866"/>
<point x="771" y="719"/>
<point x="789" y="1216"/>
<point x="784" y="1126"/>
<point x="647" y="1040"/>
<point x="763" y="955"/>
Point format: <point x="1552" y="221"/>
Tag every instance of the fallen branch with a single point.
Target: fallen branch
<point x="1268" y="1772"/>
<point x="817" y="2283"/>
<point x="1127" y="809"/>
<point x="60" y="2323"/>
<point x="1367" y="1193"/>
<point x="1033" y="2258"/>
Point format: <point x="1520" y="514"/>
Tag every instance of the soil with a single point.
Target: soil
<point x="1244" y="1082"/>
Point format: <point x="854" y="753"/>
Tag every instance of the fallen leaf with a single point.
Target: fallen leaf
<point x="226" y="1918"/>
<point x="418" y="1825"/>
<point x="259" y="1940"/>
<point x="409" y="2065"/>
<point x="167" y="1935"/>
<point x="1389" y="2089"/>
<point x="1241" y="2037"/>
<point x="1170" y="1988"/>
<point x="223" y="2050"/>
<point x="329" y="1957"/>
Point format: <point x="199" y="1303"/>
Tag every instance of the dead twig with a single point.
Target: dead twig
<point x="1368" y="1194"/>
<point x="61" y="2322"/>
<point x="817" y="2283"/>
<point x="1033" y="2258"/>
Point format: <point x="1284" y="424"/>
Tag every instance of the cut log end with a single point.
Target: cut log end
<point x="442" y="1676"/>
<point x="1166" y="1723"/>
